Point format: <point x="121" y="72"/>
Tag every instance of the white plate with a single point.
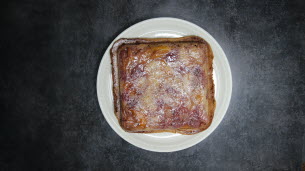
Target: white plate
<point x="166" y="142"/>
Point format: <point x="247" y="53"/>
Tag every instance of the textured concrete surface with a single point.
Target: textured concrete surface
<point x="50" y="117"/>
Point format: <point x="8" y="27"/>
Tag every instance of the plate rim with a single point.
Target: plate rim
<point x="225" y="60"/>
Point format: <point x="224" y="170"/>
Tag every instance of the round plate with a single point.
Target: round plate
<point x="156" y="28"/>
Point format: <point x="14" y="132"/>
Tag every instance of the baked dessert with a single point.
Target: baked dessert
<point x="163" y="84"/>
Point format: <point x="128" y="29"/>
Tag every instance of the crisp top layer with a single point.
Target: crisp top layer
<point x="163" y="85"/>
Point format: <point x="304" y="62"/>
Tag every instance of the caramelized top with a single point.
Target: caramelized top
<point x="163" y="85"/>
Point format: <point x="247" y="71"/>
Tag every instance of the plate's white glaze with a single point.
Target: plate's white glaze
<point x="166" y="27"/>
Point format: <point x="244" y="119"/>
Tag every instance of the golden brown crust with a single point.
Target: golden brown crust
<point x="116" y="81"/>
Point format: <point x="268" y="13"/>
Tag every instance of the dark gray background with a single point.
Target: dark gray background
<point x="50" y="54"/>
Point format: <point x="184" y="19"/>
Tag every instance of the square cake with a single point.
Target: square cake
<point x="163" y="84"/>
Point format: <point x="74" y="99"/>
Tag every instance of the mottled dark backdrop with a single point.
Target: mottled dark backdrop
<point x="50" y="53"/>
